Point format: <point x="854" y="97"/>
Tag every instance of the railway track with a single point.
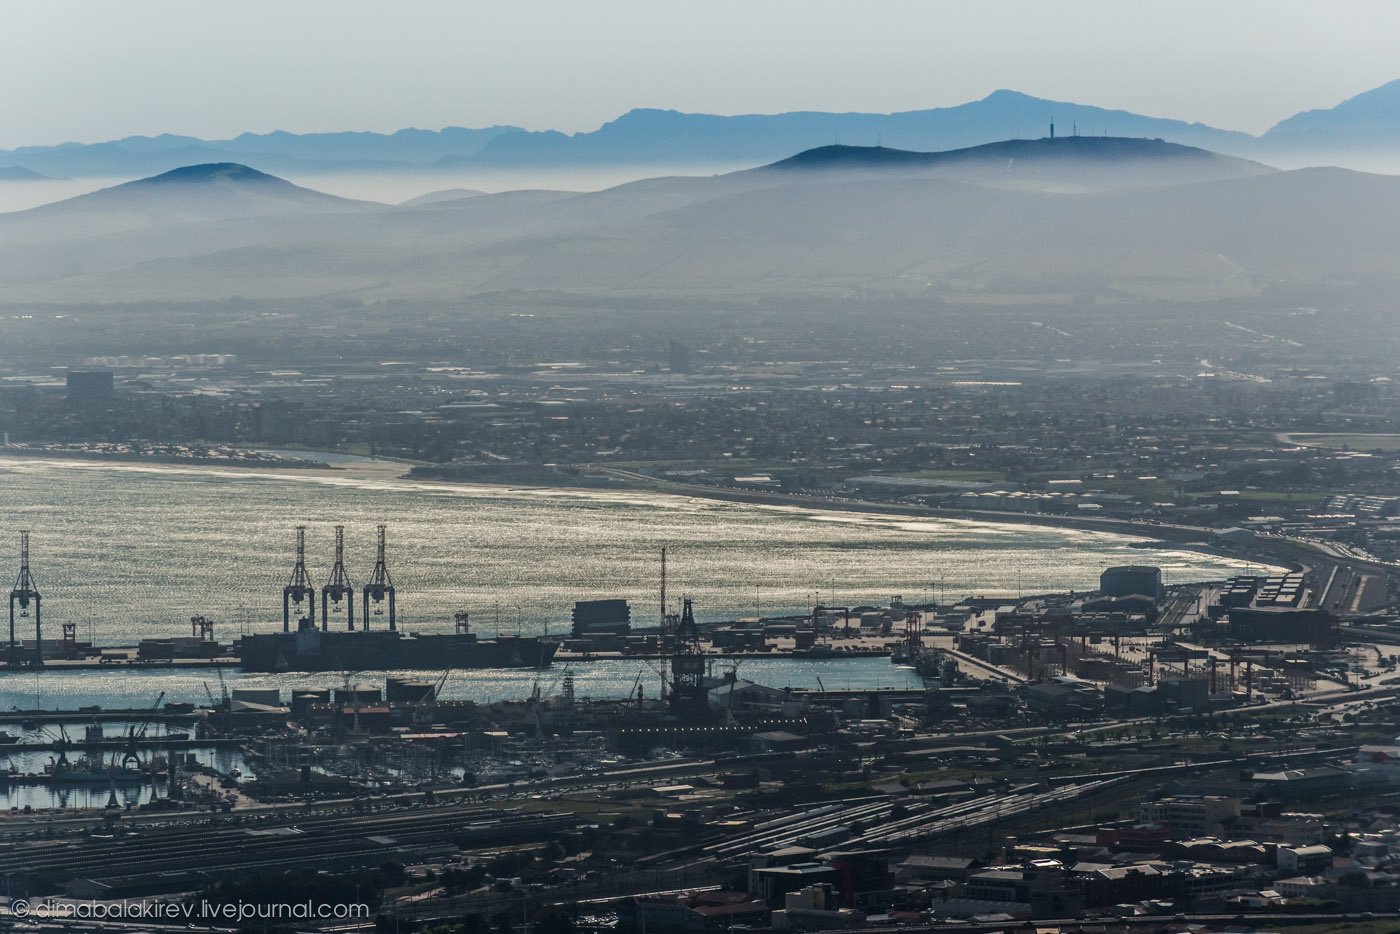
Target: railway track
<point x="347" y="842"/>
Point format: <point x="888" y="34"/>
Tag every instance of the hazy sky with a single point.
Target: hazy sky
<point x="103" y="69"/>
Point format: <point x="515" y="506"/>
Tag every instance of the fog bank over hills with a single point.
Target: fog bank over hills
<point x="186" y="195"/>
<point x="1076" y="163"/>
<point x="1071" y="219"/>
<point x="1362" y="132"/>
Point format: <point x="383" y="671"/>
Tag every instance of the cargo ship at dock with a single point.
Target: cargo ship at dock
<point x="312" y="649"/>
<point x="305" y="647"/>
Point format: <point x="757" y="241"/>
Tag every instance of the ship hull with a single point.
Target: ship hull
<point x="96" y="778"/>
<point x="388" y="651"/>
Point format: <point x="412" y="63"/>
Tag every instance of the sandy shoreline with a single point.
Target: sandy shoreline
<point x="380" y="470"/>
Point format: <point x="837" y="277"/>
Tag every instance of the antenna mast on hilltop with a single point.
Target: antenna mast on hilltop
<point x="299" y="587"/>
<point x="25" y="591"/>
<point x="379" y="585"/>
<point x="338" y="587"/>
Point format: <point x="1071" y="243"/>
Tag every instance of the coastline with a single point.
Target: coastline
<point x="1277" y="553"/>
<point x="136" y="457"/>
<point x="1184" y="538"/>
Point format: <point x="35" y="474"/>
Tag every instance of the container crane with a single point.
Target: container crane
<point x="299" y="588"/>
<point x="338" y="586"/>
<point x="379" y="586"/>
<point x="25" y="592"/>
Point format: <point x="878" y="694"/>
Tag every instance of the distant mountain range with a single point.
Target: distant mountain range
<point x="1366" y="123"/>
<point x="1100" y="219"/>
<point x="18" y="173"/>
<point x="273" y="152"/>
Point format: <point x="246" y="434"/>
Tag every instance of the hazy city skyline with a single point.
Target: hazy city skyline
<point x="96" y="71"/>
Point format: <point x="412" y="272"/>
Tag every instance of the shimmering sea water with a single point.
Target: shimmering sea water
<point x="131" y="550"/>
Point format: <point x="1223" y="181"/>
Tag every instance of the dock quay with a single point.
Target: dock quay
<point x="121" y="744"/>
<point x="123" y="658"/>
<point x="105" y="715"/>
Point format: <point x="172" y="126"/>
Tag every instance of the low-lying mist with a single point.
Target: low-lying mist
<point x="397" y="187"/>
<point x="390" y="187"/>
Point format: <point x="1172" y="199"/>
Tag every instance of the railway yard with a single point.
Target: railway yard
<point x="1117" y="757"/>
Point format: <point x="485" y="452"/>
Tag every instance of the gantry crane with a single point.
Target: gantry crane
<point x="338" y="586"/>
<point x="379" y="586"/>
<point x="299" y="588"/>
<point x="24" y="593"/>
<point x="689" y="699"/>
